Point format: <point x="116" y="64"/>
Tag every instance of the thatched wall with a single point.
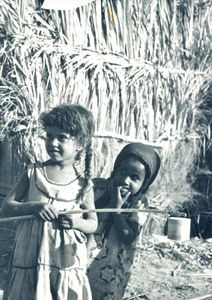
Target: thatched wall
<point x="142" y="67"/>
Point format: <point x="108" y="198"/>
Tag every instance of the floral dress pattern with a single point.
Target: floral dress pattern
<point x="49" y="263"/>
<point x="110" y="260"/>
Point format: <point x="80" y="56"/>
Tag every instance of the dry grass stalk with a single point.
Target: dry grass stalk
<point x="143" y="68"/>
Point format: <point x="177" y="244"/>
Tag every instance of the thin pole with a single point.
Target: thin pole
<point x="83" y="211"/>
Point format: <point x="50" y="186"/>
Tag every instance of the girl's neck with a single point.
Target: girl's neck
<point x="59" y="172"/>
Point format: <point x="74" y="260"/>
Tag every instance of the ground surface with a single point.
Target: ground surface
<point x="164" y="269"/>
<point x="169" y="270"/>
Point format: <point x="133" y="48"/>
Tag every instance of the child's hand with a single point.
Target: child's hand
<point x="68" y="221"/>
<point x="65" y="222"/>
<point x="117" y="199"/>
<point x="45" y="211"/>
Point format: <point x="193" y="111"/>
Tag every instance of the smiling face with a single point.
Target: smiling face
<point x="60" y="145"/>
<point x="130" y="175"/>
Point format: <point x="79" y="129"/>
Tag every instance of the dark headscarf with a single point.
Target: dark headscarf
<point x="151" y="161"/>
<point x="146" y="155"/>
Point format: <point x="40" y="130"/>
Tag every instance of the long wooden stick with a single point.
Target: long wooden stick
<point x="82" y="211"/>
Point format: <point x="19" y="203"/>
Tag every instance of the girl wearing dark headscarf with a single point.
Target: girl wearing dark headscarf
<point x="111" y="249"/>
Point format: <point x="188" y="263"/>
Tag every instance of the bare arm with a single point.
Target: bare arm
<point x="74" y="221"/>
<point x="125" y="231"/>
<point x="13" y="204"/>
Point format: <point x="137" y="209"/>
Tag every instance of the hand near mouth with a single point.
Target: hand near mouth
<point x="117" y="198"/>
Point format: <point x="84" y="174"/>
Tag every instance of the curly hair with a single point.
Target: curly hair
<point x="79" y="123"/>
<point x="73" y="119"/>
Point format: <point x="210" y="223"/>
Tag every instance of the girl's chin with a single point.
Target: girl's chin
<point x="54" y="155"/>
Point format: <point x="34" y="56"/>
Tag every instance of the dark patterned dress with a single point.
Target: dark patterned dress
<point x="110" y="260"/>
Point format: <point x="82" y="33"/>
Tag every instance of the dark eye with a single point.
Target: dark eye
<point x="62" y="138"/>
<point x="135" y="177"/>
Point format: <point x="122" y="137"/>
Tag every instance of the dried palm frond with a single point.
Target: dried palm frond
<point x="142" y="68"/>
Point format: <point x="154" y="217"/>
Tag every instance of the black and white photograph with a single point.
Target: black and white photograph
<point x="105" y="150"/>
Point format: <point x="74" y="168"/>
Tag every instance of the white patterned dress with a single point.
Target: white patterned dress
<point x="49" y="263"/>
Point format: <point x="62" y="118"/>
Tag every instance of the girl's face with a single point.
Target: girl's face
<point x="129" y="176"/>
<point x="60" y="146"/>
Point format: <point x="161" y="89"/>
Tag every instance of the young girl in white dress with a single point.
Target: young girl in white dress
<point x="49" y="257"/>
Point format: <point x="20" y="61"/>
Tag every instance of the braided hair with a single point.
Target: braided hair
<point x="78" y="122"/>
